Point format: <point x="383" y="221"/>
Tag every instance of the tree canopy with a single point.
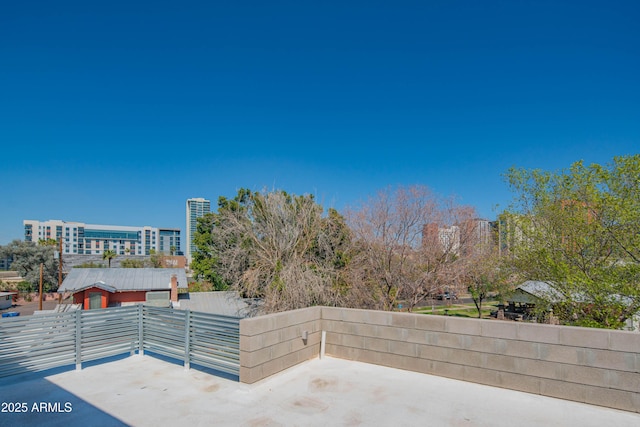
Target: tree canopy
<point x="409" y="243"/>
<point x="109" y="254"/>
<point x="274" y="246"/>
<point x="205" y="262"/>
<point x="27" y="257"/>
<point x="578" y="230"/>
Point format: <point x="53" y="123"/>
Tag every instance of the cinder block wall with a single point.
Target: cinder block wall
<point x="273" y="343"/>
<point x="595" y="366"/>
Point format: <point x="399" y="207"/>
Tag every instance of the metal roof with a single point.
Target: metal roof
<point x="4" y="294"/>
<point x="123" y="279"/>
<point x="218" y="302"/>
<point x="99" y="285"/>
<point x="548" y="292"/>
<point x="538" y="289"/>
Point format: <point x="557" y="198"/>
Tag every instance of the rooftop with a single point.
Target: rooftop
<point x="224" y="303"/>
<point x="123" y="279"/>
<point x="147" y="391"/>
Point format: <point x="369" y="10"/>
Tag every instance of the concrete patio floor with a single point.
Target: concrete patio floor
<point x="147" y="391"/>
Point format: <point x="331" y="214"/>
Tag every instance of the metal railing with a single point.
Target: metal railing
<point x="36" y="343"/>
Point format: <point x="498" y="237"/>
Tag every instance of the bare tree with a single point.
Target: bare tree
<point x="279" y="248"/>
<point x="409" y="241"/>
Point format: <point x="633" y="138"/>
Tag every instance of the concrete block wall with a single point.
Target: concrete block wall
<point x="594" y="366"/>
<point x="272" y="343"/>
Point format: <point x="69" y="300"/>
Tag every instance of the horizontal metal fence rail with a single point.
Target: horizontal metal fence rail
<point x="108" y="332"/>
<point x="215" y="342"/>
<point x="163" y="331"/>
<point x="36" y="343"/>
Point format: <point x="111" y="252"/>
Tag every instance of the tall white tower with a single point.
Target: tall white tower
<point x="196" y="208"/>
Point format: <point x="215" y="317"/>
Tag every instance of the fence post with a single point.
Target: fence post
<point x="187" y="340"/>
<point x="140" y="330"/>
<point x="78" y="340"/>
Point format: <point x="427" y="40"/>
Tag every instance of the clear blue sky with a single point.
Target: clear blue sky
<point x="117" y="112"/>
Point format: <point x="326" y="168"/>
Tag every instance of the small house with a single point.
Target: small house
<point x="110" y="287"/>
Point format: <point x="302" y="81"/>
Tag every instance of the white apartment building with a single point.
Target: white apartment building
<point x="92" y="239"/>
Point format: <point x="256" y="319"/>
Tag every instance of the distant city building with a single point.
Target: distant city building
<point x="459" y="238"/>
<point x="5" y="263"/>
<point x="475" y="233"/>
<point x="169" y="241"/>
<point x="79" y="238"/>
<point x="482" y="231"/>
<point x="196" y="208"/>
<point x="448" y="238"/>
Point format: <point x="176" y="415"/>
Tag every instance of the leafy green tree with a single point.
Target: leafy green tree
<point x="205" y="263"/>
<point x="132" y="263"/>
<point x="578" y="229"/>
<point x="155" y="259"/>
<point x="27" y="287"/>
<point x="48" y="242"/>
<point x="89" y="264"/>
<point x="27" y="257"/>
<point x="108" y="254"/>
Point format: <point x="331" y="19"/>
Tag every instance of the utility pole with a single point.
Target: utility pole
<point x="60" y="264"/>
<point x="60" y="271"/>
<point x="40" y="304"/>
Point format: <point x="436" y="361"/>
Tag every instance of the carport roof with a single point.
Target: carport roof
<point x="534" y="289"/>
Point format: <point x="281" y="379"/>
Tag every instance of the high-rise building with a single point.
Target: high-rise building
<point x="476" y="234"/>
<point x="79" y="238"/>
<point x="461" y="238"/>
<point x="196" y="208"/>
<point x="446" y="239"/>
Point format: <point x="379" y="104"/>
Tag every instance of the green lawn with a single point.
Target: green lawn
<point x="459" y="310"/>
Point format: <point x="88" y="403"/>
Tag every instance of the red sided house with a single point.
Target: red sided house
<point x="112" y="287"/>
